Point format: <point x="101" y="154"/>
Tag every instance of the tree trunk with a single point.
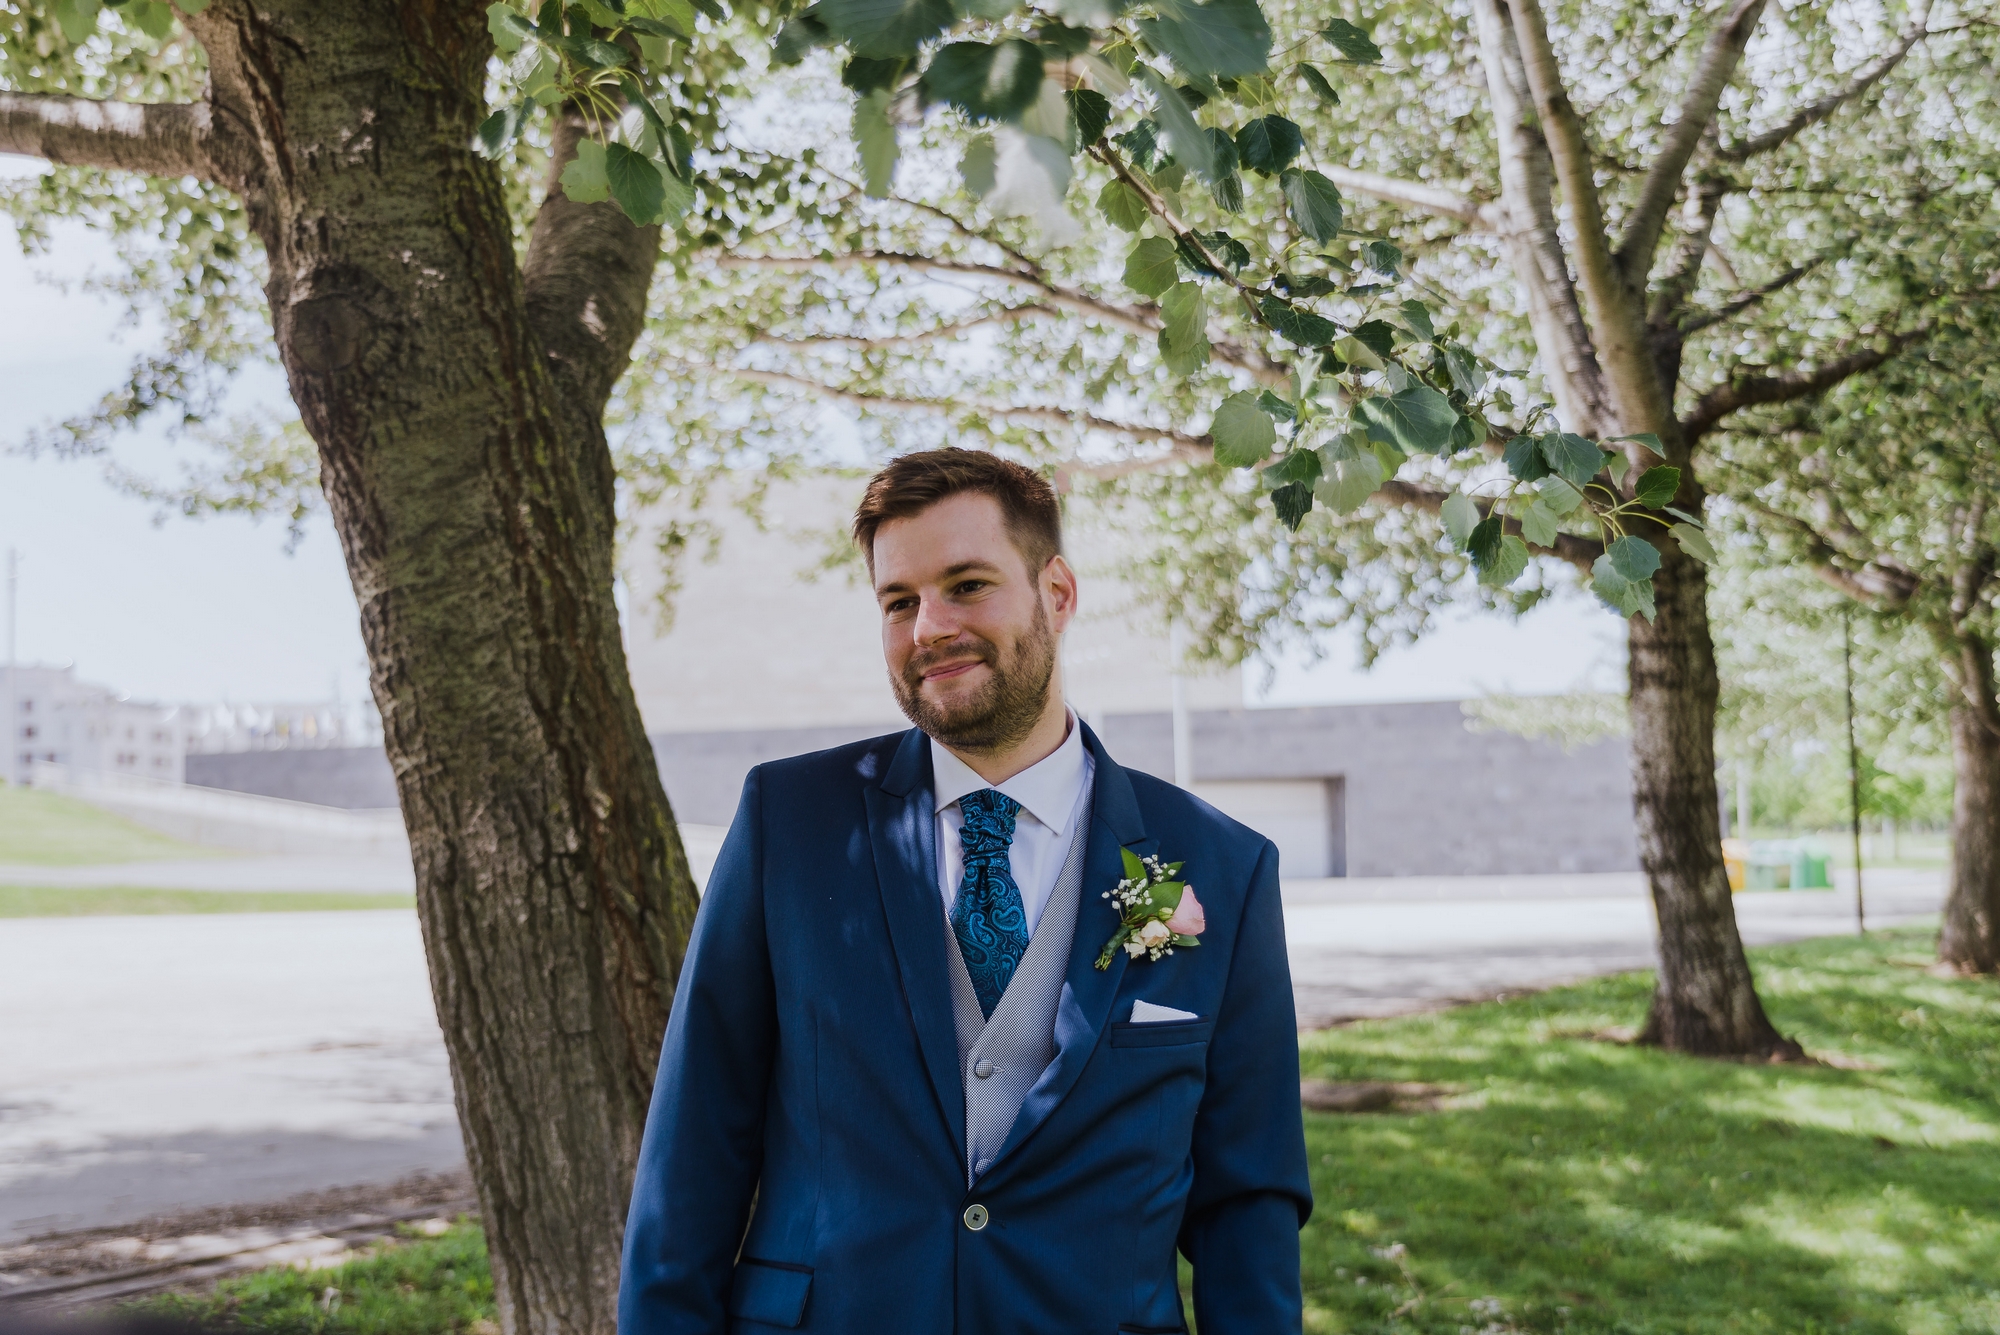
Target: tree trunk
<point x="1705" y="1001"/>
<point x="465" y="464"/>
<point x="1970" y="940"/>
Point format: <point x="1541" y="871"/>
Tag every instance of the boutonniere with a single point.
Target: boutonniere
<point x="1156" y="912"/>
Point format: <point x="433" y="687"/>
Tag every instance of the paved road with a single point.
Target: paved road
<point x="164" y="1063"/>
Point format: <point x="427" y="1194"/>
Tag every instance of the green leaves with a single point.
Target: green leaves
<point x="1501" y="563"/>
<point x="1345" y="484"/>
<point x="1314" y="203"/>
<point x="1657" y="486"/>
<point x="1186" y="139"/>
<point x="77" y="19"/>
<point x="1150" y="268"/>
<point x="1575" y="458"/>
<point x="1539" y="524"/>
<point x="1184" y="332"/>
<point x="1321" y="89"/>
<point x="584" y="180"/>
<point x="1122" y="206"/>
<point x="1624" y="595"/>
<point x="1293" y="502"/>
<point x="1297" y="326"/>
<point x="1268" y="144"/>
<point x="1242" y="431"/>
<point x="805" y="33"/>
<point x="1694" y="542"/>
<point x="884" y="28"/>
<point x="1524" y="458"/>
<point x="875" y="138"/>
<point x="1089" y="112"/>
<point x="1461" y="516"/>
<point x="1352" y="42"/>
<point x="635" y="183"/>
<point x="1417" y="420"/>
<point x="1634" y="558"/>
<point x="498" y="131"/>
<point x="987" y="83"/>
<point x="1418" y="317"/>
<point x="1221" y="39"/>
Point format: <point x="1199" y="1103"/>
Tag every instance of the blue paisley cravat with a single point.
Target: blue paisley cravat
<point x="987" y="916"/>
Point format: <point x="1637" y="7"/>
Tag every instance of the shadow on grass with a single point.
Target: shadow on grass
<point x="1590" y="1186"/>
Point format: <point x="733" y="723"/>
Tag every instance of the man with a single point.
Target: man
<point x="898" y="1093"/>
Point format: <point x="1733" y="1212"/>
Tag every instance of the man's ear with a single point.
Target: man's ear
<point x="1060" y="586"/>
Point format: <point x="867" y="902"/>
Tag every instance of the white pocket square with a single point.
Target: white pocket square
<point x="1145" y="1012"/>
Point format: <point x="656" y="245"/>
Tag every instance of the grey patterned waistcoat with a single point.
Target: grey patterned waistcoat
<point x="1000" y="1059"/>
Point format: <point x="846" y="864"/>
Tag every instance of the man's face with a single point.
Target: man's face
<point x="969" y="632"/>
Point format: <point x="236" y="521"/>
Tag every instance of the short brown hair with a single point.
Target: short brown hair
<point x="915" y="482"/>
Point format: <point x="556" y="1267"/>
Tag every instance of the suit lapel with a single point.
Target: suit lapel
<point x="902" y="827"/>
<point x="1088" y="992"/>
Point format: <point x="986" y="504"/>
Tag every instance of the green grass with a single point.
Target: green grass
<point x="50" y="830"/>
<point x="1574" y="1185"/>
<point x="49" y="901"/>
<point x="419" y="1286"/>
<point x="1589" y="1186"/>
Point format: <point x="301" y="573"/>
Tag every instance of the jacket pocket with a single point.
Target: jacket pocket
<point x="771" y="1292"/>
<point x="1176" y="1034"/>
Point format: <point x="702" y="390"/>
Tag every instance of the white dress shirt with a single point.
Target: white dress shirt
<point x="1052" y="815"/>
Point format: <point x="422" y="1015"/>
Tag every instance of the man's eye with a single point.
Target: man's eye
<point x="900" y="605"/>
<point x="970" y="586"/>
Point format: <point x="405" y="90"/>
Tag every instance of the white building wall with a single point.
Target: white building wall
<point x="55" y="719"/>
<point x="757" y="642"/>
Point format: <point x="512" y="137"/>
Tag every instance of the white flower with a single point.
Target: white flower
<point x="1154" y="933"/>
<point x="1134" y="949"/>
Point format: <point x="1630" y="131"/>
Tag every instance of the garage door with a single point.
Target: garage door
<point x="1305" y="818"/>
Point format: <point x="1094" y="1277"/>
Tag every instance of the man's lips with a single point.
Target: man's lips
<point x="951" y="670"/>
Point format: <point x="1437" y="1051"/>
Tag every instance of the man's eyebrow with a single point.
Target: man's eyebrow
<point x="950" y="572"/>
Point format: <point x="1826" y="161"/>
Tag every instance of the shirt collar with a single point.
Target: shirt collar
<point x="1047" y="789"/>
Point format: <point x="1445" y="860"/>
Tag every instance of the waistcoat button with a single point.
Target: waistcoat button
<point x="982" y="1068"/>
<point x="975" y="1217"/>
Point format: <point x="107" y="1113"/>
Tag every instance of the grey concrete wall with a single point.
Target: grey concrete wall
<point x="357" y="778"/>
<point x="1423" y="795"/>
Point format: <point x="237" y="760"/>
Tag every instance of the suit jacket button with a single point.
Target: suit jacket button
<point x="975" y="1217"/>
<point x="982" y="1068"/>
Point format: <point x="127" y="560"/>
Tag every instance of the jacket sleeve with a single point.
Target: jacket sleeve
<point x="703" y="1148"/>
<point x="1251" y="1191"/>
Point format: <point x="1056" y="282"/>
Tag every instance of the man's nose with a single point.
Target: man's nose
<point x="935" y="623"/>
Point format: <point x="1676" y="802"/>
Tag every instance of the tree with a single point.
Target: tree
<point x="1285" y="336"/>
<point x="1893" y="504"/>
<point x="455" y="388"/>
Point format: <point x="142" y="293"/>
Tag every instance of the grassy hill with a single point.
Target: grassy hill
<point x="49" y="830"/>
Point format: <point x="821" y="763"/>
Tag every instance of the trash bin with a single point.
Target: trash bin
<point x="1809" y="866"/>
<point x="1769" y="866"/>
<point x="1735" y="854"/>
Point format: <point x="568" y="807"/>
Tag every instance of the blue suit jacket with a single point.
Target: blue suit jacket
<point x="811" y="1068"/>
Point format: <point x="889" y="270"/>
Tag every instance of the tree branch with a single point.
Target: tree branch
<point x="1416" y="195"/>
<point x="158" y="139"/>
<point x="1720" y="56"/>
<point x="1641" y="402"/>
<point x="1814" y="112"/>
<point x="1529" y="230"/>
<point x="1749" y="391"/>
<point x="1186" y="445"/>
<point x="1143" y="319"/>
<point x="1009" y="315"/>
<point x="1578" y="551"/>
<point x="1743" y="301"/>
<point x="587" y="273"/>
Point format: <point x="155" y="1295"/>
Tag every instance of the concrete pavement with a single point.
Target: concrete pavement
<point x="164" y="1063"/>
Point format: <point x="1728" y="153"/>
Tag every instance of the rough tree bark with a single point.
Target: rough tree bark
<point x="457" y="403"/>
<point x="1970" y="939"/>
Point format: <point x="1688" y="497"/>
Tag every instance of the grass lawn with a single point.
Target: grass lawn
<point x="1588" y="1186"/>
<point x="1573" y="1185"/>
<point x="51" y="901"/>
<point x="420" y="1286"/>
<point x="51" y="830"/>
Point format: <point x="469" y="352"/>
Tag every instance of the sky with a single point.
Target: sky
<point x="193" y="611"/>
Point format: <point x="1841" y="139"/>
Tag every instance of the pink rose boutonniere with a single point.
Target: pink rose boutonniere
<point x="1156" y="911"/>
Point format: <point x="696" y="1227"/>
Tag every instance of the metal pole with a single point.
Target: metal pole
<point x="12" y="730"/>
<point x="1183" y="729"/>
<point x="1853" y="768"/>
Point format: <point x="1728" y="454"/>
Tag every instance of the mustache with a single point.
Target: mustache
<point x="971" y="649"/>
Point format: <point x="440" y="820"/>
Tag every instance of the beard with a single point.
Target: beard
<point x="1004" y="710"/>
